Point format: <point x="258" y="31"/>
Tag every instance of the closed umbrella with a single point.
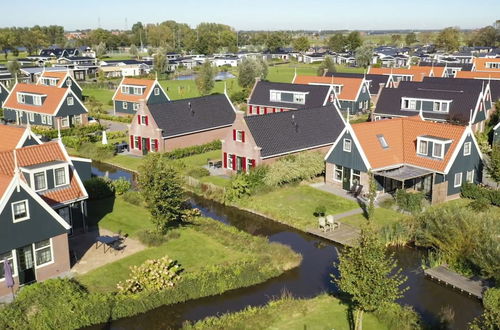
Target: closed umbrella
<point x="104" y="138"/>
<point x="9" y="279"/>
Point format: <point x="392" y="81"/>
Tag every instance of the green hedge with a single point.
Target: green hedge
<point x="194" y="150"/>
<point x="99" y="187"/>
<point x="77" y="130"/>
<point x="474" y="191"/>
<point x="121" y="119"/>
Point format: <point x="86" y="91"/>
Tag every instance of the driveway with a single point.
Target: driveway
<point x="114" y="126"/>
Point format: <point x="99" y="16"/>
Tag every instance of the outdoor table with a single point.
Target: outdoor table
<point x="106" y="241"/>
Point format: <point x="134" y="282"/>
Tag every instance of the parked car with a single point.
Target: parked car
<point x="92" y="120"/>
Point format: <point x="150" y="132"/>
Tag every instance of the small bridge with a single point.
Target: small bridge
<point x="470" y="286"/>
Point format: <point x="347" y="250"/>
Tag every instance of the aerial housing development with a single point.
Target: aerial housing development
<point x="339" y="169"/>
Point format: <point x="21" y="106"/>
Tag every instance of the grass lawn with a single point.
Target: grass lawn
<point x="322" y="312"/>
<point x="217" y="180"/>
<point x="381" y="218"/>
<point x="182" y="89"/>
<point x="295" y="205"/>
<point x="285" y="72"/>
<point x="102" y="95"/>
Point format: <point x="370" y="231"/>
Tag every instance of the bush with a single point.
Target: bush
<point x="239" y="96"/>
<point x="193" y="150"/>
<point x="73" y="131"/>
<point x="153" y="275"/>
<point x="97" y="152"/>
<point x="490" y="319"/>
<point x="121" y="186"/>
<point x="475" y="191"/>
<point x="295" y="168"/>
<point x="398" y="317"/>
<point x="116" y="134"/>
<point x="240" y="187"/>
<point x="133" y="197"/>
<point x="320" y="211"/>
<point x="480" y="204"/>
<point x="99" y="187"/>
<point x="121" y="119"/>
<point x="151" y="237"/>
<point x="198" y="172"/>
<point x="409" y="201"/>
<point x="76" y="141"/>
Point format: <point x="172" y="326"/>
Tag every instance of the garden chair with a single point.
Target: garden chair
<point x="330" y="221"/>
<point x="322" y="223"/>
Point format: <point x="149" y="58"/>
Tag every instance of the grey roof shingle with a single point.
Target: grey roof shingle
<point x="285" y="132"/>
<point x="316" y="97"/>
<point x="468" y="84"/>
<point x="194" y="114"/>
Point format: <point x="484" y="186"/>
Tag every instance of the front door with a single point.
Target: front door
<point x="144" y="146"/>
<point x="346" y="178"/>
<point x="26" y="265"/>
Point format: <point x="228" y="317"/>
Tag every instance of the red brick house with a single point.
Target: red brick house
<point x="181" y="123"/>
<point x="257" y="140"/>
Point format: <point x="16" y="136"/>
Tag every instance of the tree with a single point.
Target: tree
<point x="353" y="40"/>
<point x="100" y="50"/>
<point x="368" y="275"/>
<point x="396" y="39"/>
<point x="205" y="78"/>
<point x="448" y="39"/>
<point x="364" y="56"/>
<point x="14" y="68"/>
<point x="327" y="65"/>
<point x="133" y="51"/>
<point x="487" y="36"/>
<point x="337" y="42"/>
<point x="301" y="44"/>
<point x="249" y="69"/>
<point x="277" y="40"/>
<point x="411" y="38"/>
<point x="162" y="191"/>
<point x="160" y="61"/>
<point x="493" y="164"/>
<point x="33" y="39"/>
<point x="372" y="194"/>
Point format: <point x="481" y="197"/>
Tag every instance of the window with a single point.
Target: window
<point x="64" y="122"/>
<point x="43" y="252"/>
<point x="144" y="120"/>
<point x="457" y="180"/>
<point x="136" y="106"/>
<point x="347" y="145"/>
<point x="136" y="142"/>
<point x="274" y="96"/>
<point x="32" y="116"/>
<point x="20" y="211"/>
<point x="40" y="181"/>
<point x="60" y="176"/>
<point x="37" y="100"/>
<point x="10" y="259"/>
<point x="437" y="150"/>
<point x="230" y="161"/>
<point x="356" y="177"/>
<point x="337" y="176"/>
<point x="239" y="136"/>
<point x="382" y="141"/>
<point x="470" y="176"/>
<point x="250" y="163"/>
<point x="157" y="91"/>
<point x="436" y="106"/>
<point x="44" y="119"/>
<point x="125" y="90"/>
<point x="77" y="119"/>
<point x="467" y="148"/>
<point x="406" y="104"/>
<point x="70" y="100"/>
<point x="125" y="105"/>
<point x="21" y="98"/>
<point x="68" y="82"/>
<point x="299" y="98"/>
<point x="137" y="91"/>
<point x="49" y="120"/>
<point x="413" y="104"/>
<point x="422" y="148"/>
<point x="153" y="145"/>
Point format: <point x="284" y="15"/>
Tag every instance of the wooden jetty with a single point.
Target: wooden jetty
<point x="344" y="234"/>
<point x="443" y="274"/>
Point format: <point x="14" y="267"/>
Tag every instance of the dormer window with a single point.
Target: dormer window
<point x="125" y="89"/>
<point x="37" y="100"/>
<point x="438" y="150"/>
<point x="423" y="147"/>
<point x="39" y="181"/>
<point x="137" y="91"/>
<point x="21" y="98"/>
<point x="20" y="211"/>
<point x="60" y="177"/>
<point x="288" y="97"/>
<point x="436" y="144"/>
<point x="492" y="65"/>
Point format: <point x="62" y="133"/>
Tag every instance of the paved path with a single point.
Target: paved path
<point x="462" y="283"/>
<point x="348" y="213"/>
<point x="114" y="126"/>
<point x="333" y="190"/>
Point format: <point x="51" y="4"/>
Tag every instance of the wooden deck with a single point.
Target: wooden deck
<point x="443" y="274"/>
<point x="345" y="234"/>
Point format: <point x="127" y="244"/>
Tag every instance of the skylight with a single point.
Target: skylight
<point x="382" y="141"/>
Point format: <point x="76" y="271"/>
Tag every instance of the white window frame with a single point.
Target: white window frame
<point x="419" y="152"/>
<point x="125" y="90"/>
<point x="136" y="106"/>
<point x="455" y="177"/>
<point x="14" y="265"/>
<point x="441" y="154"/>
<point x="125" y="105"/>
<point x="143" y="120"/>
<point x="31" y="116"/>
<point x="37" y="100"/>
<point x="43" y="118"/>
<point x="335" y="169"/>
<point x="49" y="120"/>
<point x="21" y="98"/>
<point x="51" y="254"/>
<point x="467" y="148"/>
<point x="230" y="161"/>
<point x="137" y="91"/>
<point x="44" y="172"/>
<point x="239" y="135"/>
<point x="152" y="145"/>
<point x="70" y="101"/>
<point x="27" y="211"/>
<point x="157" y="91"/>
<point x="66" y="176"/>
<point x="344" y="145"/>
<point x="69" y="82"/>
<point x="136" y="141"/>
<point x="471" y="178"/>
<point x="65" y="119"/>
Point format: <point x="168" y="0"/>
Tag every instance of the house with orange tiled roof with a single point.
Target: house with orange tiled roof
<point x="4" y="92"/>
<point x="61" y="79"/>
<point x="51" y="106"/>
<point x="412" y="73"/>
<point x="352" y="93"/>
<point x="131" y="91"/>
<point x="17" y="137"/>
<point x="405" y="153"/>
<point x="42" y="201"/>
<point x="486" y="64"/>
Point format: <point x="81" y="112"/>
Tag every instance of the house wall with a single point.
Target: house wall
<point x="119" y="107"/>
<point x="195" y="139"/>
<point x="351" y="159"/>
<point x="83" y="168"/>
<point x="157" y="99"/>
<point x="3" y="95"/>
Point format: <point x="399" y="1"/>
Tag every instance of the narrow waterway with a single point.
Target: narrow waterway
<point x="308" y="280"/>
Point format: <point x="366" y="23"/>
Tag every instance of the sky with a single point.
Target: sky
<point x="256" y="14"/>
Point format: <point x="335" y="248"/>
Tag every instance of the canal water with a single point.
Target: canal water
<point x="311" y="278"/>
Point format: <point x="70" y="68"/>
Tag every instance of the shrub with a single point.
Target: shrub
<point x="198" y="172"/>
<point x="295" y="168"/>
<point x="398" y="317"/>
<point x="133" y="197"/>
<point x="480" y="204"/>
<point x="99" y="187"/>
<point x="121" y="119"/>
<point x="116" y="134"/>
<point x="240" y="187"/>
<point x="320" y="211"/>
<point x="73" y="131"/>
<point x="475" y="191"/>
<point x="97" y="151"/>
<point x="193" y="150"/>
<point x="490" y="319"/>
<point x="152" y="275"/>
<point x="151" y="237"/>
<point x="75" y="141"/>
<point x="121" y="186"/>
<point x="239" y="96"/>
<point x="409" y="201"/>
<point x="396" y="234"/>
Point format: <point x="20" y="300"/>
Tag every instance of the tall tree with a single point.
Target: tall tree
<point x="411" y="38"/>
<point x="326" y="66"/>
<point x="162" y="191"/>
<point x="205" y="78"/>
<point x="100" y="50"/>
<point x="448" y="39"/>
<point x="14" y="68"/>
<point x="396" y="39"/>
<point x="277" y="40"/>
<point x="364" y="56"/>
<point x="487" y="36"/>
<point x="369" y="275"/>
<point x="160" y="61"/>
<point x="249" y="69"/>
<point x="301" y="44"/>
<point x="133" y="51"/>
<point x="353" y="40"/>
<point x="337" y="42"/>
<point x="33" y="39"/>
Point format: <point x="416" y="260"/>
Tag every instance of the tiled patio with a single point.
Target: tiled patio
<point x="83" y="248"/>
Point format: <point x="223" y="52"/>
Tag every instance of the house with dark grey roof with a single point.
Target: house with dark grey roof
<point x="271" y="97"/>
<point x="257" y="140"/>
<point x="181" y="123"/>
<point x="4" y="92"/>
<point x="445" y="100"/>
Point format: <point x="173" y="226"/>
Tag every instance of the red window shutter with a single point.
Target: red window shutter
<point x="139" y="119"/>
<point x="148" y="144"/>
<point x="281" y="110"/>
<point x="234" y="162"/>
<point x="131" y="142"/>
<point x="250" y="109"/>
<point x="242" y="136"/>
<point x="258" y="110"/>
<point x="225" y="160"/>
<point x="265" y="110"/>
<point x="234" y="135"/>
<point x="147" y="120"/>
<point x="244" y="164"/>
<point x="140" y="143"/>
<point x="253" y="163"/>
<point x="274" y="110"/>
<point x="156" y="144"/>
